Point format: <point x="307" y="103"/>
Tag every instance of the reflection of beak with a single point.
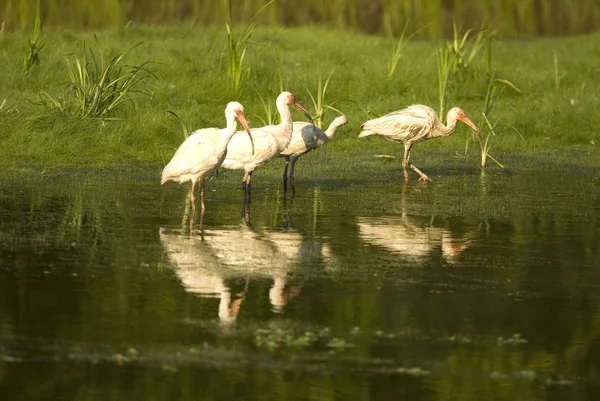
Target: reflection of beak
<point x="470" y="124"/>
<point x="303" y="110"/>
<point x="242" y="119"/>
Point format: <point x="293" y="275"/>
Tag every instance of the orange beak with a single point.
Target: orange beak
<point x="467" y="121"/>
<point x="303" y="110"/>
<point x="242" y="119"/>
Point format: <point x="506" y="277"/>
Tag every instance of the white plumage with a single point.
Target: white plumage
<point x="306" y="137"/>
<point x="204" y="151"/>
<point x="416" y="123"/>
<point x="269" y="141"/>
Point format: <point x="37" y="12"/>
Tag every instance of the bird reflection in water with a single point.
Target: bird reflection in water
<point x="200" y="273"/>
<point x="414" y="237"/>
<point x="207" y="259"/>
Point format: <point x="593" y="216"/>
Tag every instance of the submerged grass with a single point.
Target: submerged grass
<point x="556" y="125"/>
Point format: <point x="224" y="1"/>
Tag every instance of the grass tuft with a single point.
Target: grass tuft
<point x="97" y="89"/>
<point x="34" y="43"/>
<point x="319" y="99"/>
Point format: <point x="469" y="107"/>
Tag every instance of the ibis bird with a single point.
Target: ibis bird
<point x="204" y="151"/>
<point x="306" y="137"/>
<point x="269" y="141"/>
<point x="416" y="123"/>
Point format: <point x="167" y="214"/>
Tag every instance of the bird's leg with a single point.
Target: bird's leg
<point x="249" y="186"/>
<point x="202" y="196"/>
<point x="244" y="186"/>
<point x="292" y="176"/>
<point x="192" y="197"/>
<point x="285" y="176"/>
<point x="405" y="159"/>
<point x="423" y="177"/>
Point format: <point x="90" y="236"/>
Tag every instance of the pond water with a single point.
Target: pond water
<point x="471" y="287"/>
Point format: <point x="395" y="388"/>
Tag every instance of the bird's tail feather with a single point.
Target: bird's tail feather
<point x="366" y="133"/>
<point x="335" y="124"/>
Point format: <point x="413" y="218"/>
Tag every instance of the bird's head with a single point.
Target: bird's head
<point x="288" y="99"/>
<point x="459" y="114"/>
<point x="236" y="110"/>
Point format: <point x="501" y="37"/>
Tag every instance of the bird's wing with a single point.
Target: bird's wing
<point x="305" y="138"/>
<point x="403" y="125"/>
<point x="239" y="149"/>
<point x="197" y="152"/>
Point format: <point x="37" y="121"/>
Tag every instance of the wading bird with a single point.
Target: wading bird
<point x="269" y="141"/>
<point x="416" y="123"/>
<point x="204" y="151"/>
<point x="306" y="137"/>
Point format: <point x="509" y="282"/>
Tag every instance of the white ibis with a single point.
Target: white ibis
<point x="306" y="137"/>
<point x="416" y="123"/>
<point x="269" y="141"/>
<point x="204" y="151"/>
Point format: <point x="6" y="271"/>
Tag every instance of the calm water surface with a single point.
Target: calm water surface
<point x="468" y="288"/>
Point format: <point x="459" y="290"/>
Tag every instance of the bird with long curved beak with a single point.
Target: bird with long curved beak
<point x="204" y="151"/>
<point x="416" y="123"/>
<point x="269" y="142"/>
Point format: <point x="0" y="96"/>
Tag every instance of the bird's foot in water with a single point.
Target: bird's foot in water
<point x="422" y="177"/>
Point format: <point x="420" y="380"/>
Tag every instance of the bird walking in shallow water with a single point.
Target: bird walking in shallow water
<point x="306" y="137"/>
<point x="269" y="141"/>
<point x="416" y="123"/>
<point x="204" y="151"/>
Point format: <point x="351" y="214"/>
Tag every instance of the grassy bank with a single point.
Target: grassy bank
<point x="554" y="117"/>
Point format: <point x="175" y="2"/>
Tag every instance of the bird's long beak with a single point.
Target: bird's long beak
<point x="303" y="110"/>
<point x="242" y="119"/>
<point x="467" y="121"/>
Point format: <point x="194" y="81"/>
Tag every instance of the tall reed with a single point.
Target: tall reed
<point x="318" y="99"/>
<point x="34" y="45"/>
<point x="444" y="63"/>
<point x="237" y="45"/>
<point x="495" y="88"/>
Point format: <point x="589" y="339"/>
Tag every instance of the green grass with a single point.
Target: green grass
<point x="558" y="126"/>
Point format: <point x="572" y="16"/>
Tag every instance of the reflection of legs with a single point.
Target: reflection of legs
<point x="245" y="214"/>
<point x="285" y="175"/>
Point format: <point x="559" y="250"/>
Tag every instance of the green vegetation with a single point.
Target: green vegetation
<point x="34" y="45"/>
<point x="95" y="89"/>
<point x="508" y="17"/>
<point x="192" y="81"/>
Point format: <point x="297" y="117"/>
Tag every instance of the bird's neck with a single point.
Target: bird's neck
<point x="448" y="129"/>
<point x="229" y="132"/>
<point x="286" y="119"/>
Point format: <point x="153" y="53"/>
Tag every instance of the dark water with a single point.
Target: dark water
<point x="468" y="288"/>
